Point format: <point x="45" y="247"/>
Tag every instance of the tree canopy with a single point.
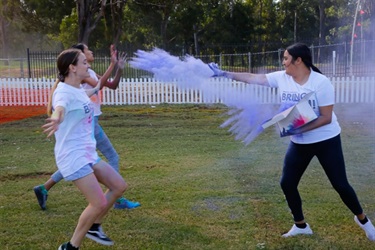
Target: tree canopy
<point x="183" y="26"/>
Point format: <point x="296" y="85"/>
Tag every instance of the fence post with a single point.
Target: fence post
<point x="249" y="56"/>
<point x="21" y="67"/>
<point x="334" y="63"/>
<point x="28" y="62"/>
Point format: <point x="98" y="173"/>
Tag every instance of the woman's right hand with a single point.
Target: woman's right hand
<point x="217" y="71"/>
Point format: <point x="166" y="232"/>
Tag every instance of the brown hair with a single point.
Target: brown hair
<point x="64" y="60"/>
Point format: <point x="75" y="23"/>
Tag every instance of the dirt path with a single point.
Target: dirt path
<point x="14" y="113"/>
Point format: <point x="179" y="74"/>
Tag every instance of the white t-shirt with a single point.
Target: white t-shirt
<point x="95" y="98"/>
<point x="75" y="144"/>
<point x="291" y="92"/>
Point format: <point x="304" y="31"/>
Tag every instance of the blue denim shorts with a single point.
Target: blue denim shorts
<point x="82" y="172"/>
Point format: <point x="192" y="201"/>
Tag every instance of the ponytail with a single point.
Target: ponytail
<point x="316" y="69"/>
<point x="49" y="105"/>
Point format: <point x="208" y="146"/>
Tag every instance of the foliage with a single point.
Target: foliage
<point x="44" y="16"/>
<point x="69" y="29"/>
<point x="194" y="27"/>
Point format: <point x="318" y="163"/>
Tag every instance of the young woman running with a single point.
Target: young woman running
<point x="71" y="120"/>
<point x="103" y="143"/>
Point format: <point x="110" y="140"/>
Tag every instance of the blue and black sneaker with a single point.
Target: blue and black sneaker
<point x="123" y="203"/>
<point x="42" y="195"/>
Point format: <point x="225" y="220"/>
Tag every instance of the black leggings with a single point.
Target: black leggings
<point x="330" y="156"/>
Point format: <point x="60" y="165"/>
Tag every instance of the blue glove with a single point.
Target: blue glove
<point x="290" y="132"/>
<point x="217" y="71"/>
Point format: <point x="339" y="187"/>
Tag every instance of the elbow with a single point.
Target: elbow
<point x="326" y="120"/>
<point x="110" y="86"/>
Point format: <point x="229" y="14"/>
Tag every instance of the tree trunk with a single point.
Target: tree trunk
<point x="117" y="8"/>
<point x="89" y="14"/>
<point x="3" y="38"/>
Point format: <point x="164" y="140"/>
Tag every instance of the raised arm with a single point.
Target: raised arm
<point x="104" y="78"/>
<point x="259" y="79"/>
<point x="120" y="67"/>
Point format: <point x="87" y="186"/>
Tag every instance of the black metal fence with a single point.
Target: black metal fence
<point x="340" y="60"/>
<point x="332" y="60"/>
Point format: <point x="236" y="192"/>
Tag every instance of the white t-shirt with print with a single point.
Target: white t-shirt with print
<point x="95" y="98"/>
<point x="75" y="144"/>
<point x="290" y="94"/>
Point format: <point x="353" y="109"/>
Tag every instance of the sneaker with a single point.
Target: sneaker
<point x="367" y="227"/>
<point x="42" y="195"/>
<point x="296" y="231"/>
<point x="99" y="236"/>
<point x="123" y="203"/>
<point x="65" y="246"/>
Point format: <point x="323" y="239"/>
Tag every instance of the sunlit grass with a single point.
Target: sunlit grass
<point x="199" y="188"/>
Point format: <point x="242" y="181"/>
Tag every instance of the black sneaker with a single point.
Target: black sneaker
<point x="42" y="195"/>
<point x="99" y="236"/>
<point x="65" y="246"/>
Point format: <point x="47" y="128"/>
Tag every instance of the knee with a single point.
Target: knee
<point x="100" y="205"/>
<point x="120" y="188"/>
<point x="342" y="188"/>
<point x="287" y="184"/>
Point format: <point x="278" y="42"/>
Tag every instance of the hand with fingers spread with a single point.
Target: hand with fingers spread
<point x="217" y="71"/>
<point x="122" y="60"/>
<point x="53" y="122"/>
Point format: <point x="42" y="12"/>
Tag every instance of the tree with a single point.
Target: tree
<point x="117" y="13"/>
<point x="6" y="15"/>
<point x="89" y="14"/>
<point x="44" y="16"/>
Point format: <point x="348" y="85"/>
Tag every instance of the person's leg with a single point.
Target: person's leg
<point x="55" y="178"/>
<point x="104" y="145"/>
<point x="91" y="189"/>
<point x="332" y="160"/>
<point x="113" y="181"/>
<point x="116" y="186"/>
<point x="296" y="161"/>
<point x="41" y="191"/>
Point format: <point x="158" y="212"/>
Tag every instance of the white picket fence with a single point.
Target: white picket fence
<point x="35" y="92"/>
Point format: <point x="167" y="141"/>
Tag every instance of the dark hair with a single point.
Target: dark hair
<point x="80" y="46"/>
<point x="301" y="50"/>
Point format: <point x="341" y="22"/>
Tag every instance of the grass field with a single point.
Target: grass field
<point x="199" y="188"/>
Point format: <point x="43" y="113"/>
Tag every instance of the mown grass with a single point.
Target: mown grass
<point x="199" y="188"/>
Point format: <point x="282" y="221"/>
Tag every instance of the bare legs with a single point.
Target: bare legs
<point x="99" y="202"/>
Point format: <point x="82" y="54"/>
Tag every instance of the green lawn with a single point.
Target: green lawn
<point x="199" y="188"/>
